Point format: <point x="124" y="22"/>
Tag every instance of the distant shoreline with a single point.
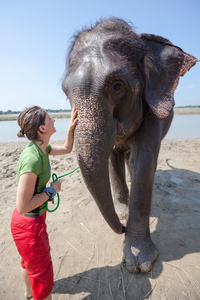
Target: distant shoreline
<point x="59" y="115"/>
<point x="13" y="117"/>
<point x="187" y="110"/>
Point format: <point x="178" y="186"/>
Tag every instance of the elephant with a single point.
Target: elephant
<point x="123" y="85"/>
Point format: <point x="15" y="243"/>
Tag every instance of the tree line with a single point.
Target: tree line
<point x="16" y="112"/>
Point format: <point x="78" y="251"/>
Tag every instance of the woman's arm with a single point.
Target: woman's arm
<point x="26" y="200"/>
<point x="68" y="145"/>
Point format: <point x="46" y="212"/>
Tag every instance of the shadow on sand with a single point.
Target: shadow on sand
<point x="176" y="207"/>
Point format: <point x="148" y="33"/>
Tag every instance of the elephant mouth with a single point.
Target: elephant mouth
<point x="120" y="131"/>
<point x="124" y="132"/>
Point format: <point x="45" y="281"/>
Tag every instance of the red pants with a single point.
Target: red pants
<point x="31" y="239"/>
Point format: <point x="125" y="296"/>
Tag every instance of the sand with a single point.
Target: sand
<point x="86" y="253"/>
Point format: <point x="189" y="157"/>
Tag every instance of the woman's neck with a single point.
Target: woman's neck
<point x="41" y="145"/>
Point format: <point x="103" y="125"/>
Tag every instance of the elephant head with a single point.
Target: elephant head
<point x="115" y="79"/>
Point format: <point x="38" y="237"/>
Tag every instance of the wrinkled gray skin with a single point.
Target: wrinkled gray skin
<point x="122" y="85"/>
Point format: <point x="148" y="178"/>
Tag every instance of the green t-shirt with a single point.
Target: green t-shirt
<point x="35" y="161"/>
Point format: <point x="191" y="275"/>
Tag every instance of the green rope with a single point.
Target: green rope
<point x="55" y="178"/>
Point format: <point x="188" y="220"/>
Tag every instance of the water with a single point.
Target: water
<point x="183" y="127"/>
<point x="9" y="130"/>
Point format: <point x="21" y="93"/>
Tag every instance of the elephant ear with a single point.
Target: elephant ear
<point x="164" y="63"/>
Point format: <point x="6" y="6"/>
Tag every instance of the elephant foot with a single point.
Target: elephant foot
<point x="139" y="254"/>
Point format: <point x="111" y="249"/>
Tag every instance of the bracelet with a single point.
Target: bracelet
<point x="50" y="195"/>
<point x="51" y="192"/>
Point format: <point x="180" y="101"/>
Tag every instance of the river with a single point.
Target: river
<point x="183" y="127"/>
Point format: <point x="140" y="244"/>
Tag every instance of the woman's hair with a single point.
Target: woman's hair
<point x="29" y="121"/>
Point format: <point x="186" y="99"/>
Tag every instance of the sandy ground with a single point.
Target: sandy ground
<point x="86" y="253"/>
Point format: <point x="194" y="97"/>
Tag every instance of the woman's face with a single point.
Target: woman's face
<point x="49" y="124"/>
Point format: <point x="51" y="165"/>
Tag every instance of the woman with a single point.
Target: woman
<point x="28" y="225"/>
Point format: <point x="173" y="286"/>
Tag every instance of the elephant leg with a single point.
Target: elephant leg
<point x="166" y="123"/>
<point x="128" y="170"/>
<point x="117" y="176"/>
<point x="118" y="182"/>
<point x="139" y="252"/>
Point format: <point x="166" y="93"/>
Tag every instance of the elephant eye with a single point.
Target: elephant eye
<point x="119" y="89"/>
<point x="118" y="85"/>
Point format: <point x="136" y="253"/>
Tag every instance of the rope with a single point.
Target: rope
<point x="55" y="178"/>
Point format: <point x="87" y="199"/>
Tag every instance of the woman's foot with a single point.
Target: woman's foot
<point x="28" y="296"/>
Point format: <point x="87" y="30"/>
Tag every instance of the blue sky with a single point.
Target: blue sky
<point x="35" y="35"/>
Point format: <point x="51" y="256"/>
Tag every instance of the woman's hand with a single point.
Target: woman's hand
<point x="56" y="185"/>
<point x="68" y="145"/>
<point x="26" y="200"/>
<point x="74" y="119"/>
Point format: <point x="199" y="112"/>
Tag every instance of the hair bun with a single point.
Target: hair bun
<point x="21" y="133"/>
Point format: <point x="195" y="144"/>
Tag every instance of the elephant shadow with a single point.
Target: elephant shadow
<point x="176" y="206"/>
<point x="104" y="283"/>
<point x="174" y="224"/>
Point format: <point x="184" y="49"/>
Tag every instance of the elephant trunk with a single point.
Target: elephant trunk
<point x="94" y="139"/>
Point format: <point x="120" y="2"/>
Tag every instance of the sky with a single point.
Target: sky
<point x="35" y="36"/>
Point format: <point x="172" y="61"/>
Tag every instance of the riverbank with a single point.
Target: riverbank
<point x="187" y="111"/>
<point x="13" y="117"/>
<point x="86" y="253"/>
<point x="177" y="111"/>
